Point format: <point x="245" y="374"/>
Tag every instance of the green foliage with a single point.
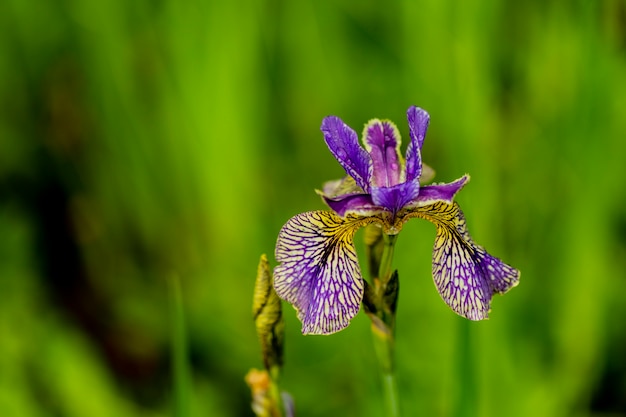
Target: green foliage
<point x="144" y="139"/>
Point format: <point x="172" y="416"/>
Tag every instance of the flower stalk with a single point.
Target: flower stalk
<point x="384" y="273"/>
<point x="380" y="301"/>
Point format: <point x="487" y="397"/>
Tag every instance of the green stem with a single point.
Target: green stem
<point x="384" y="273"/>
<point x="383" y="325"/>
<point x="391" y="394"/>
<point x="383" y="345"/>
<point x="276" y="407"/>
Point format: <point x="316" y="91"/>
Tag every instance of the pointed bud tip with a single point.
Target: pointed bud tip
<point x="262" y="286"/>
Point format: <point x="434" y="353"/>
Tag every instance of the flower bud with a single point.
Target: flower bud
<point x="268" y="318"/>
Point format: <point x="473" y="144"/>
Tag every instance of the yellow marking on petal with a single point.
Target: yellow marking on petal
<point x="464" y="273"/>
<point x="325" y="285"/>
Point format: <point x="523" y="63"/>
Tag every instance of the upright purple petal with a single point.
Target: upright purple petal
<point x="343" y="143"/>
<point x="418" y="124"/>
<point x="319" y="272"/>
<point x="382" y="141"/>
<point x="465" y="275"/>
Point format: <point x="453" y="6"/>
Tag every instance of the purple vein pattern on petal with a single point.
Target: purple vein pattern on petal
<point x="382" y="141"/>
<point x="418" y="124"/>
<point x="343" y="143"/>
<point x="319" y="272"/>
<point x="501" y="277"/>
<point x="465" y="275"/>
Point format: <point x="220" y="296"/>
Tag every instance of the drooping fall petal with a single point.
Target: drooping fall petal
<point x="466" y="275"/>
<point x="319" y="273"/>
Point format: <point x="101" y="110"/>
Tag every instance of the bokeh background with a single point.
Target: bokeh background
<point x="144" y="141"/>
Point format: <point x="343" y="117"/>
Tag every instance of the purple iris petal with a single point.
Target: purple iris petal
<point x="458" y="278"/>
<point x="440" y="192"/>
<point x="382" y="140"/>
<point x="356" y="203"/>
<point x="500" y="276"/>
<point x="396" y="197"/>
<point x="466" y="276"/>
<point x="319" y="272"/>
<point x="418" y="124"/>
<point x="343" y="143"/>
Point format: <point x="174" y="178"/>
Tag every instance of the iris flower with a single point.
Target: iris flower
<point x="318" y="271"/>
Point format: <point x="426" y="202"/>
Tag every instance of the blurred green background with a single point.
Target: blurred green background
<point x="143" y="140"/>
